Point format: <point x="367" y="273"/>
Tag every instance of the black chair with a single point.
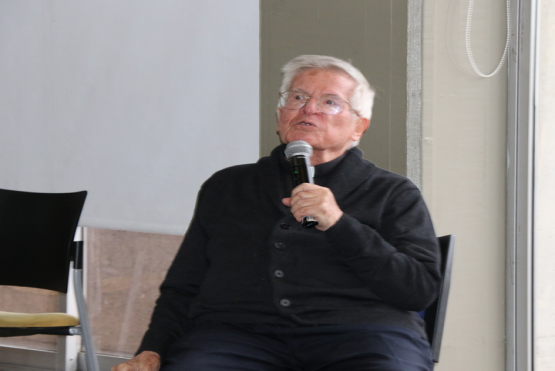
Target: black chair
<point x="36" y="249"/>
<point x="434" y="316"/>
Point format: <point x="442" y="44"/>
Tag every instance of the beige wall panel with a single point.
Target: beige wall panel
<point x="372" y="34"/>
<point x="464" y="164"/>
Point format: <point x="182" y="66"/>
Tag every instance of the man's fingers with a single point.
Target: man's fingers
<point x="145" y="361"/>
<point x="305" y="187"/>
<point x="301" y="213"/>
<point x="125" y="367"/>
<point x="303" y="206"/>
<point x="319" y="202"/>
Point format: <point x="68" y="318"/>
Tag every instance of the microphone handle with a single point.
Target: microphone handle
<point x="300" y="168"/>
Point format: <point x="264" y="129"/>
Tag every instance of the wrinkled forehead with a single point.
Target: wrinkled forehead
<point x="333" y="81"/>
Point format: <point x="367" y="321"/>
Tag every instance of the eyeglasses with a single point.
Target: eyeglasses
<point x="328" y="104"/>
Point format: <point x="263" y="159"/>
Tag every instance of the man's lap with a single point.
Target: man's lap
<point x="261" y="347"/>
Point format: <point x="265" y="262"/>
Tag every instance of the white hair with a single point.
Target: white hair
<point x="362" y="99"/>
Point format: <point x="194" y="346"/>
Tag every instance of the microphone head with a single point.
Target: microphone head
<point x="298" y="148"/>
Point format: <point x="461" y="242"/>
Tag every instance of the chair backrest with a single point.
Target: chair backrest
<point x="36" y="235"/>
<point x="435" y="313"/>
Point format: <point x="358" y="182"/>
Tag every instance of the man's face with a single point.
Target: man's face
<point x="329" y="135"/>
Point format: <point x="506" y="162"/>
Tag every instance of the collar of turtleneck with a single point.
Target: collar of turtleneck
<point x="321" y="171"/>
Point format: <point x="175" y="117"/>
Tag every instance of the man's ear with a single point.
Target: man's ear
<point x="361" y="126"/>
<point x="278" y="114"/>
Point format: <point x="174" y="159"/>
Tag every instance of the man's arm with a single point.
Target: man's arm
<point x="400" y="262"/>
<point x="170" y="318"/>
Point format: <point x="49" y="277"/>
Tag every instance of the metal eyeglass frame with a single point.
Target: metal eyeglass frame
<point x="317" y="102"/>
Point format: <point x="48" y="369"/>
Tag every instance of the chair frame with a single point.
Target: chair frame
<point x="16" y="203"/>
<point x="434" y="315"/>
<point x="86" y="333"/>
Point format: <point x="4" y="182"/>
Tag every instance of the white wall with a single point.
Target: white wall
<point x="544" y="202"/>
<point x="464" y="134"/>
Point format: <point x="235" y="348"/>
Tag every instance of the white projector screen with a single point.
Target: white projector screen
<point x="136" y="101"/>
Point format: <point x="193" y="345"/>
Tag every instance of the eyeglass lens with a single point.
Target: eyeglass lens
<point x="329" y="104"/>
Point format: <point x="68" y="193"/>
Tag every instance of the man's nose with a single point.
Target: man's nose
<point x="311" y="106"/>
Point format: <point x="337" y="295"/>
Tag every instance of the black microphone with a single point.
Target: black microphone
<point x="298" y="153"/>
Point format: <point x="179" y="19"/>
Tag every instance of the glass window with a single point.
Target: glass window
<point x="29" y="300"/>
<point x="124" y="271"/>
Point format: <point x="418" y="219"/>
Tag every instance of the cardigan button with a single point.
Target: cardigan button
<point x="285" y="302"/>
<point x="279" y="246"/>
<point x="285" y="226"/>
<point x="278" y="273"/>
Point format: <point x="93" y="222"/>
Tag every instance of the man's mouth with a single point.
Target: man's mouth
<point x="304" y="123"/>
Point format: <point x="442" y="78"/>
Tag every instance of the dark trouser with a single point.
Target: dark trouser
<point x="261" y="347"/>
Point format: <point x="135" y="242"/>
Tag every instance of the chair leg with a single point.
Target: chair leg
<point x="67" y="348"/>
<point x="90" y="354"/>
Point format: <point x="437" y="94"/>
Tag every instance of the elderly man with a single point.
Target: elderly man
<point x="251" y="289"/>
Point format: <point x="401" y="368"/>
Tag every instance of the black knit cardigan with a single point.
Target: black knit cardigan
<point x="245" y="259"/>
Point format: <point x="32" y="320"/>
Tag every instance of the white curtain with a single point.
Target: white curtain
<point x="136" y="101"/>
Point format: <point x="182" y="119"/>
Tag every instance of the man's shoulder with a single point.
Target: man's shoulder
<point x="380" y="177"/>
<point x="391" y="178"/>
<point x="232" y="173"/>
<point x="235" y="169"/>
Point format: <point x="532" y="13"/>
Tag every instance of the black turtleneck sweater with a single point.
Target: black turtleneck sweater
<point x="321" y="172"/>
<point x="245" y="259"/>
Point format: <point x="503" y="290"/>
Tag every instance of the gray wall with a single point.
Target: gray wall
<point x="464" y="166"/>
<point x="371" y="34"/>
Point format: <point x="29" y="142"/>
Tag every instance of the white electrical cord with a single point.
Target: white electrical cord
<point x="469" y="48"/>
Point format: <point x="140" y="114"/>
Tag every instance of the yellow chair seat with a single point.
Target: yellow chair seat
<point x="10" y="319"/>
